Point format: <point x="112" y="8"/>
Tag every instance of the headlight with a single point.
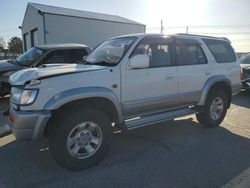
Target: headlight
<point x="28" y="96"/>
<point x="15" y="95"/>
<point x="23" y="96"/>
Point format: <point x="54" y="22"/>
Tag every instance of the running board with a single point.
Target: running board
<point x="157" y="118"/>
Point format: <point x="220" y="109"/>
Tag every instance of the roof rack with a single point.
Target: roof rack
<point x="195" y="35"/>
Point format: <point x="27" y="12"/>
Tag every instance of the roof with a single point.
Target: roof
<point x="82" y="14"/>
<point x="183" y="35"/>
<point x="62" y="46"/>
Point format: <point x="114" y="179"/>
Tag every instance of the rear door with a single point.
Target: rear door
<point x="193" y="69"/>
<point x="225" y="61"/>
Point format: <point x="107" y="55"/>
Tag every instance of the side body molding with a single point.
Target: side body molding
<point x="209" y="83"/>
<point x="82" y="93"/>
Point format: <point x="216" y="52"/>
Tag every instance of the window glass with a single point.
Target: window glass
<point x="65" y="56"/>
<point x="54" y="57"/>
<point x="221" y="50"/>
<point x="110" y="52"/>
<point x="74" y="56"/>
<point x="29" y="57"/>
<point x="190" y="54"/>
<point x="157" y="49"/>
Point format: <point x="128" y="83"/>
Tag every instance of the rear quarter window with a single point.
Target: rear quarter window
<point x="221" y="50"/>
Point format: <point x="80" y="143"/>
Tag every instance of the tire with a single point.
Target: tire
<point x="206" y="117"/>
<point x="78" y="123"/>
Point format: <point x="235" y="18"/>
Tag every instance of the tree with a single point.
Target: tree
<point x="2" y="44"/>
<point x="15" y="45"/>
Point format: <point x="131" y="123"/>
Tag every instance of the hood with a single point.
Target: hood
<point x="8" y="65"/>
<point x="23" y="76"/>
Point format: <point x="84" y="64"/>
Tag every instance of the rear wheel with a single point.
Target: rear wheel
<point x="215" y="109"/>
<point x="80" y="140"/>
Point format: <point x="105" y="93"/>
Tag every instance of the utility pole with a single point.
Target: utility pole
<point x="162" y="28"/>
<point x="187" y="30"/>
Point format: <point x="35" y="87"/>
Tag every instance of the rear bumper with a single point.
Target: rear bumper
<point x="28" y="125"/>
<point x="236" y="88"/>
<point x="246" y="84"/>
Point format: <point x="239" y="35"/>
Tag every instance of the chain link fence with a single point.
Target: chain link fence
<point x="8" y="55"/>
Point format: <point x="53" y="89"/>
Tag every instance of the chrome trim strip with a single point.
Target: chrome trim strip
<point x="143" y="106"/>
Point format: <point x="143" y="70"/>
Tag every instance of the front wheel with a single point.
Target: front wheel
<point x="80" y="140"/>
<point x="215" y="109"/>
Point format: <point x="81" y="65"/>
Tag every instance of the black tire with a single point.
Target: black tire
<point x="204" y="116"/>
<point x="61" y="128"/>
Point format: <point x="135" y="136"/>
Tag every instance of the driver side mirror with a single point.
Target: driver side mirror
<point x="140" y="61"/>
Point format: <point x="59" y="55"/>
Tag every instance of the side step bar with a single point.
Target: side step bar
<point x="5" y="130"/>
<point x="158" y="118"/>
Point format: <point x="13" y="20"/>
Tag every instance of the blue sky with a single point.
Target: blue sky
<point x="149" y="12"/>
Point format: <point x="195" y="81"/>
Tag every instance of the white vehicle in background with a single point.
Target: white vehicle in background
<point x="245" y="71"/>
<point x="128" y="82"/>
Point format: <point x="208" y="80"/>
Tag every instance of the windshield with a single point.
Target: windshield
<point x="110" y="52"/>
<point x="245" y="59"/>
<point x="29" y="57"/>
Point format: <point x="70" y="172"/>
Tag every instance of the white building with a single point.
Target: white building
<point x="43" y="24"/>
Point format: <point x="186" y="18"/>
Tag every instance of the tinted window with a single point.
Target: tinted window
<point x="74" y="56"/>
<point x="190" y="54"/>
<point x="221" y="50"/>
<point x="54" y="57"/>
<point x="65" y="56"/>
<point x="157" y="49"/>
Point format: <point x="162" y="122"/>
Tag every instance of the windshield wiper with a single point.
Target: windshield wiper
<point x="102" y="62"/>
<point x="85" y="62"/>
<point x="14" y="61"/>
<point x="105" y="63"/>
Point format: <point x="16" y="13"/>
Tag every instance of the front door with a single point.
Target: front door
<point x="153" y="89"/>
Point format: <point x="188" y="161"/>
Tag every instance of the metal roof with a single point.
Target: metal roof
<point x="82" y="14"/>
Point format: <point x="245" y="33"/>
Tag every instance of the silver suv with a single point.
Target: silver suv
<point x="126" y="82"/>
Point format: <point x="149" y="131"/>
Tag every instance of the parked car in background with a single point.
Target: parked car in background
<point x="245" y="71"/>
<point x="240" y="54"/>
<point x="38" y="56"/>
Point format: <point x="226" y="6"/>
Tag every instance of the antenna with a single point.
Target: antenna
<point x="162" y="28"/>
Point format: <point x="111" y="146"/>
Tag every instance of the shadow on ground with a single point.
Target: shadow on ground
<point x="242" y="99"/>
<point x="178" y="154"/>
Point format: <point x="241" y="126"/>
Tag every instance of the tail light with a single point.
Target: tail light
<point x="242" y="77"/>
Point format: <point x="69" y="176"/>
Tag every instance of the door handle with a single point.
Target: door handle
<point x="168" y="77"/>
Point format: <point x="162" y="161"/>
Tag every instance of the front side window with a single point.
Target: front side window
<point x="221" y="50"/>
<point x="157" y="49"/>
<point x="29" y="57"/>
<point x="75" y="56"/>
<point x="54" y="57"/>
<point x="110" y="52"/>
<point x="189" y="54"/>
<point x="65" y="56"/>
